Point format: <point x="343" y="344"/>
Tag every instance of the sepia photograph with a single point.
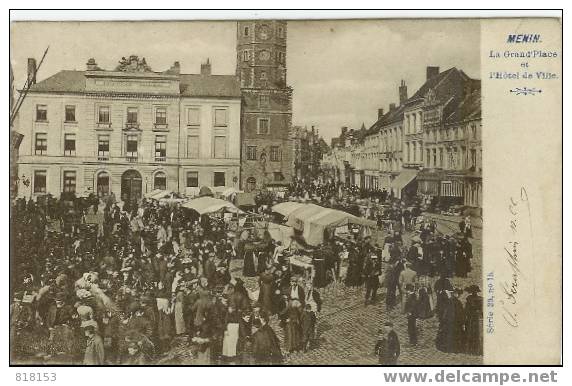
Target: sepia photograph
<point x="248" y="192"/>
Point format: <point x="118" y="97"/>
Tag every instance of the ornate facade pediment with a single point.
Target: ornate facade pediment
<point x="133" y="64"/>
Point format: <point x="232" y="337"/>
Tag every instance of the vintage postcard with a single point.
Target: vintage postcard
<point x="286" y="192"/>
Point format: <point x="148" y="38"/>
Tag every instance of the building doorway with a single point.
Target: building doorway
<point x="102" y="184"/>
<point x="131" y="186"/>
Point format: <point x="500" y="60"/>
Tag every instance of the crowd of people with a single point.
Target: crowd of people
<point x="153" y="283"/>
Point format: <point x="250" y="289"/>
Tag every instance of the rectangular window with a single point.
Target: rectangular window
<point x="246" y="31"/>
<point x="219" y="179"/>
<point x="40" y="181"/>
<point x="161" y="116"/>
<point x="69" y="144"/>
<point x="41" y="144"/>
<point x="245" y="55"/>
<point x="264" y="101"/>
<point x="70" y="113"/>
<point x="220" y="147"/>
<point x="160" y="148"/>
<point x="251" y="153"/>
<point x="160" y="181"/>
<point x="192" y="179"/>
<point x="132" y="115"/>
<point x="103" y="114"/>
<point x="69" y="181"/>
<point x="263" y="126"/>
<point x="132" y="146"/>
<point x="193" y="146"/>
<point x="41" y="113"/>
<point x="220" y="117"/>
<point x="103" y="146"/>
<point x="193" y="116"/>
<point x="275" y="153"/>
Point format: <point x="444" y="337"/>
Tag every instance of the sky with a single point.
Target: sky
<point x="341" y="71"/>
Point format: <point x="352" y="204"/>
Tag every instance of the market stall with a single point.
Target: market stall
<point x="312" y="220"/>
<point x="206" y="205"/>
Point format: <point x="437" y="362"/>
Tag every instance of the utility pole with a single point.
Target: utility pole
<point x="26" y="88"/>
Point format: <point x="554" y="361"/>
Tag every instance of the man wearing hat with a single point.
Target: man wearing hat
<point x="474" y="320"/>
<point x="410" y="309"/>
<point x="387" y="347"/>
<point x="371" y="271"/>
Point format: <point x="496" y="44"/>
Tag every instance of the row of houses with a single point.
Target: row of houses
<point x="427" y="145"/>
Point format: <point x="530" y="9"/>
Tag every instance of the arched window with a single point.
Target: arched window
<point x="160" y="181"/>
<point x="102" y="184"/>
<point x="250" y="184"/>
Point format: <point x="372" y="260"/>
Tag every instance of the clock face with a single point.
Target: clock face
<point x="264" y="55"/>
<point x="264" y="32"/>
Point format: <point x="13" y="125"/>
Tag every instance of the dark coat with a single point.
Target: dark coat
<point x="266" y="346"/>
<point x="388" y="349"/>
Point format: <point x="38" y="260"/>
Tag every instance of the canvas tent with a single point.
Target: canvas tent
<point x="330" y="218"/>
<point x="313" y="219"/>
<point x="298" y="217"/>
<point x="204" y="205"/>
<point x="157" y="194"/>
<point x="285" y="208"/>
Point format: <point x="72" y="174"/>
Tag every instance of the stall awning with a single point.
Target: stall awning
<point x="158" y="194"/>
<point x="285" y="208"/>
<point x="297" y="218"/>
<point x="330" y="218"/>
<point x="404" y="178"/>
<point x="205" y="205"/>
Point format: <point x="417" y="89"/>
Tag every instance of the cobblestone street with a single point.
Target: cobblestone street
<point x="347" y="329"/>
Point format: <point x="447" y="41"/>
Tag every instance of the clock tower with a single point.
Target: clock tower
<point x="266" y="121"/>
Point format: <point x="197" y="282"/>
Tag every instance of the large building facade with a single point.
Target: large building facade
<point x="267" y="146"/>
<point x="130" y="130"/>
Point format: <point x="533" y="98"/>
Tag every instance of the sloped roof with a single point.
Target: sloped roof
<point x="436" y="81"/>
<point x="468" y="108"/>
<point x="191" y="85"/>
<point x="196" y="85"/>
<point x="66" y="81"/>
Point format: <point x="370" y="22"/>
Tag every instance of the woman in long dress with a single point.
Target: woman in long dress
<point x="474" y="321"/>
<point x="293" y="331"/>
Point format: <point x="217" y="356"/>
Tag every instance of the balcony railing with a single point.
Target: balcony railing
<point x="160" y="159"/>
<point x="132" y="126"/>
<point x="103" y="158"/>
<point x="131" y="158"/>
<point x="160" y="127"/>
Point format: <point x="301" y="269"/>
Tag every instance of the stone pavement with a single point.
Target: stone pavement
<point x="347" y="329"/>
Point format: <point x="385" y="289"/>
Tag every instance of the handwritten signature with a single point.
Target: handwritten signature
<point x="510" y="287"/>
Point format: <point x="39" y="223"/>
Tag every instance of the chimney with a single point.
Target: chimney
<point x="206" y="68"/>
<point x="175" y="68"/>
<point x="432" y="71"/>
<point x="344" y="129"/>
<point x="402" y="93"/>
<point x="379" y="113"/>
<point x="92" y="65"/>
<point x="32" y="70"/>
<point x="391" y="106"/>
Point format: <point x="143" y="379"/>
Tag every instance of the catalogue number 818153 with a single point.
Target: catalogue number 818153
<point x="35" y="377"/>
